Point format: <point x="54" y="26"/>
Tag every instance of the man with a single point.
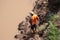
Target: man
<point x="34" y="19"/>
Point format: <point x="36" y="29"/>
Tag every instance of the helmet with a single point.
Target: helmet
<point x="31" y="13"/>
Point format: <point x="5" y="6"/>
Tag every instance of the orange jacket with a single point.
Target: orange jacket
<point x="34" y="19"/>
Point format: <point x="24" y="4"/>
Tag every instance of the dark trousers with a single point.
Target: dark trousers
<point x="33" y="26"/>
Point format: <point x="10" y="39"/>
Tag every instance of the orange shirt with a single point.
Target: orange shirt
<point x="34" y="19"/>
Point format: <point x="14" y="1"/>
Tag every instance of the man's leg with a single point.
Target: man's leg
<point x="34" y="26"/>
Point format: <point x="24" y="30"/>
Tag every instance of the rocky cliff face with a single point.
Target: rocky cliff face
<point x="42" y="8"/>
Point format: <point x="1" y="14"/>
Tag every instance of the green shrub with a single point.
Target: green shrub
<point x="53" y="33"/>
<point x="53" y="17"/>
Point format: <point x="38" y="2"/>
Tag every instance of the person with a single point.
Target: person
<point x="34" y="19"/>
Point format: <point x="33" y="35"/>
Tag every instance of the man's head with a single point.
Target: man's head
<point x="31" y="13"/>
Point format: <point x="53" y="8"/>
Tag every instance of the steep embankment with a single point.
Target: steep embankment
<point x="46" y="13"/>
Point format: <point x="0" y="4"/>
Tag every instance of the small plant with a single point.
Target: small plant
<point x="53" y="16"/>
<point x="53" y="33"/>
